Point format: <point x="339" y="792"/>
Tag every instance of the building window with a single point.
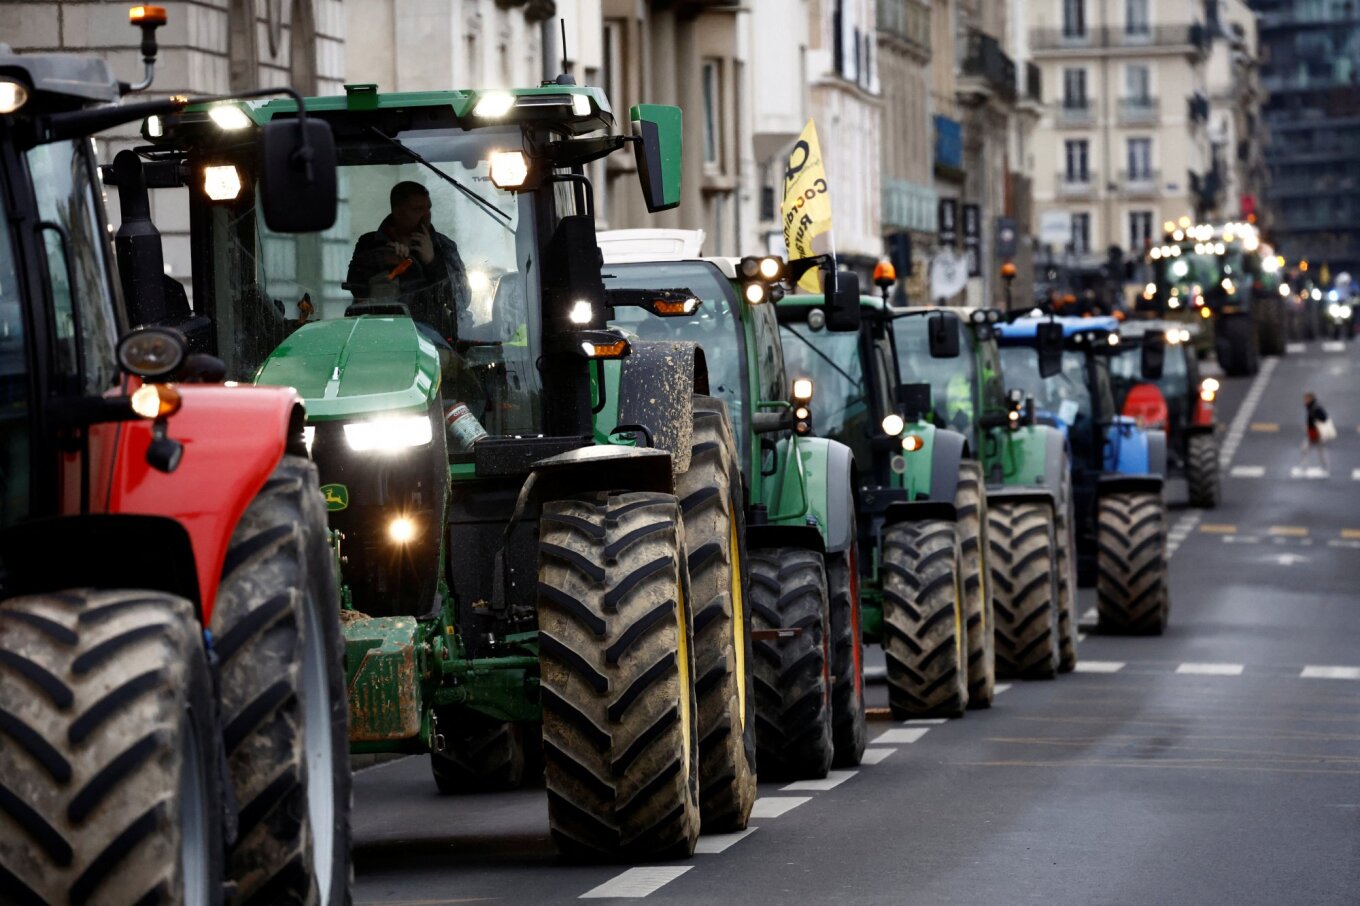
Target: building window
<point x="1136" y="17"/>
<point x="1140" y="159"/>
<point x="1074" y="89"/>
<point x="1078" y="160"/>
<point x="1140" y="231"/>
<point x="1138" y="83"/>
<point x="712" y="111"/>
<point x="1074" y="18"/>
<point x="1081" y="233"/>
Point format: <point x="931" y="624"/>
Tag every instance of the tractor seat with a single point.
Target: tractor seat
<point x="1147" y="405"/>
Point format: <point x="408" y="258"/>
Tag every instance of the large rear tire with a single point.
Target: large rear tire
<point x="480" y="755"/>
<point x="1131" y="592"/>
<point x="711" y="499"/>
<point x="924" y="637"/>
<point x="849" y="723"/>
<point x="793" y="674"/>
<point x="971" y="504"/>
<point x="1201" y="471"/>
<point x="110" y="783"/>
<point x="620" y="741"/>
<point x="1067" y="587"/>
<point x="1271" y="328"/>
<point x="276" y="632"/>
<point x="1023" y="537"/>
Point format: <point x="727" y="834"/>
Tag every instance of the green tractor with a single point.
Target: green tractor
<point x="1225" y="278"/>
<point x="513" y="482"/>
<point x="799" y="517"/>
<point x="951" y="364"/>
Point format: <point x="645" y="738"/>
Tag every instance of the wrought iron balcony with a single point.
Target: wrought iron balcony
<point x="1075" y="113"/>
<point x="1193" y="38"/>
<point x="906" y="20"/>
<point x="1140" y="183"/>
<point x="985" y="60"/>
<point x="1076" y="184"/>
<point x="1139" y="110"/>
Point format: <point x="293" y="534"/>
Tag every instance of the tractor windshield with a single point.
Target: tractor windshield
<point x="715" y="326"/>
<point x="1126" y="370"/>
<point x="951" y="380"/>
<point x="842" y="409"/>
<point x="461" y="259"/>
<point x="1064" y="395"/>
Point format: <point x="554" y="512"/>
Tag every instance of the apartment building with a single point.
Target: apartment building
<point x="1236" y="134"/>
<point x="1123" y="144"/>
<point x="1311" y="57"/>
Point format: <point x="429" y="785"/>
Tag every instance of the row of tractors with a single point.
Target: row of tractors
<point x="445" y="472"/>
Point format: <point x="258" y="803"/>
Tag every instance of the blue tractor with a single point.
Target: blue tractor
<point x="1118" y="467"/>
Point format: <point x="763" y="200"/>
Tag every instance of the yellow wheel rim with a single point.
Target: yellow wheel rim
<point x="682" y="658"/>
<point x="738" y="613"/>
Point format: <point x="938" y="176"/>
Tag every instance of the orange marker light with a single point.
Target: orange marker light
<point x="885" y="274"/>
<point x="147" y="15"/>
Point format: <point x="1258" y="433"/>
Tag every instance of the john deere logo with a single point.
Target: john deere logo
<point x="337" y="496"/>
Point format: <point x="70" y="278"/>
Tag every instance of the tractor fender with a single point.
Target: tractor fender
<point x="604" y="467"/>
<point x="946" y="456"/>
<point x="1019" y="494"/>
<point x="1125" y="484"/>
<point x="1033" y="456"/>
<point x="657" y="383"/>
<point x="829" y="467"/>
<point x="1134" y="451"/>
<point x="233" y="439"/>
<point x="116" y="550"/>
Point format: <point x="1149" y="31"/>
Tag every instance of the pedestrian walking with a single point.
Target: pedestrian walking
<point x="1320" y="432"/>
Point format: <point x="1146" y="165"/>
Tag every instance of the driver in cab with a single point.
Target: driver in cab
<point x="407" y="260"/>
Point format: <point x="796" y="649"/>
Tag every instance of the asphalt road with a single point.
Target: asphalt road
<point x="1218" y="764"/>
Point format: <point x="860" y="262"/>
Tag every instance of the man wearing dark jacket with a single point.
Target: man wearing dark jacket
<point x="1313" y="439"/>
<point x="407" y="260"/>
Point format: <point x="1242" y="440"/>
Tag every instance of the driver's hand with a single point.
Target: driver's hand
<point x="422" y="245"/>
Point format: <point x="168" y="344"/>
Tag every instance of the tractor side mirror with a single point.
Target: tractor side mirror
<point x="1153" y="355"/>
<point x="1048" y="336"/>
<point x="298" y="176"/>
<point x="658" y="130"/>
<point x="842" y="302"/>
<point x="913" y="400"/>
<point x="943" y="330"/>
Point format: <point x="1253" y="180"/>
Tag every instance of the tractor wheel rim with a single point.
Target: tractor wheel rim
<point x="317" y="753"/>
<point x="193" y="830"/>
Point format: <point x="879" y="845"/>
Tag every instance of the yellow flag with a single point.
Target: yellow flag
<point x="807" y="204"/>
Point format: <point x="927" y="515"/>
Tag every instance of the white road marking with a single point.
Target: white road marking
<point x="905" y="734"/>
<point x="1242" y="539"/>
<point x="1001" y="687"/>
<point x="1090" y="616"/>
<point x="712" y="844"/>
<point x="832" y="780"/>
<point x="1099" y="666"/>
<point x="1295" y="347"/>
<point x="1355" y="474"/>
<point x="768" y="807"/>
<point x="1247" y="472"/>
<point x="1238" y="428"/>
<point x="925" y="722"/>
<point x="876" y="672"/>
<point x="1331" y="673"/>
<point x="1181" y="530"/>
<point x="1334" y="346"/>
<point x="1211" y="669"/>
<point x="874" y="756"/>
<point x="1344" y="542"/>
<point x="637" y="882"/>
<point x="1081" y="637"/>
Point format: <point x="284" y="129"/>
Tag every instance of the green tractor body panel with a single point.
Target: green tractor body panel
<point x="355" y="367"/>
<point x="383" y="674"/>
<point x="917" y="466"/>
<point x="1022" y="457"/>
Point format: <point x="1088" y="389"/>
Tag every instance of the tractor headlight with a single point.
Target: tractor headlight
<point x="402" y="530"/>
<point x="387" y="435"/>
<point x="221" y="183"/>
<point x="229" y="118"/>
<point x="893" y="424"/>
<point x="509" y="169"/>
<point x="12" y="95"/>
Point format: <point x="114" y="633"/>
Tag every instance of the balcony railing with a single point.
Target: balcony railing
<point x="987" y="61"/>
<point x="1160" y="36"/>
<point x="1139" y="110"/>
<point x="1075" y="114"/>
<point x="1140" y="183"/>
<point x="1076" y="185"/>
<point x="906" y="20"/>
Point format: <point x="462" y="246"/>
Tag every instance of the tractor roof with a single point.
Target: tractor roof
<point x="60" y="81"/>
<point x="1023" y="329"/>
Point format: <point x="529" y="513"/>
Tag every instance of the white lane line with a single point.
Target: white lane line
<point x="1334" y="346"/>
<point x="1090" y="616"/>
<point x="712" y="844"/>
<point x="1181" y="530"/>
<point x="1238" y="428"/>
<point x="1295" y="347"/>
<point x="875" y="672"/>
<point x="1099" y="666"/>
<point x="1355" y="474"/>
<point x="1330" y="673"/>
<point x="1081" y="637"/>
<point x="1247" y="472"/>
<point x="767" y="807"/>
<point x="1001" y="687"/>
<point x="1344" y="542"/>
<point x="637" y="882"/>
<point x="832" y="780"/>
<point x="875" y="756"/>
<point x="925" y="722"/>
<point x="1211" y="669"/>
<point x="906" y="734"/>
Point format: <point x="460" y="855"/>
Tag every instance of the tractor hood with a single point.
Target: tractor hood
<point x="354" y="367"/>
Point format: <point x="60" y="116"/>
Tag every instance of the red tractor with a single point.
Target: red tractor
<point x="172" y="704"/>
